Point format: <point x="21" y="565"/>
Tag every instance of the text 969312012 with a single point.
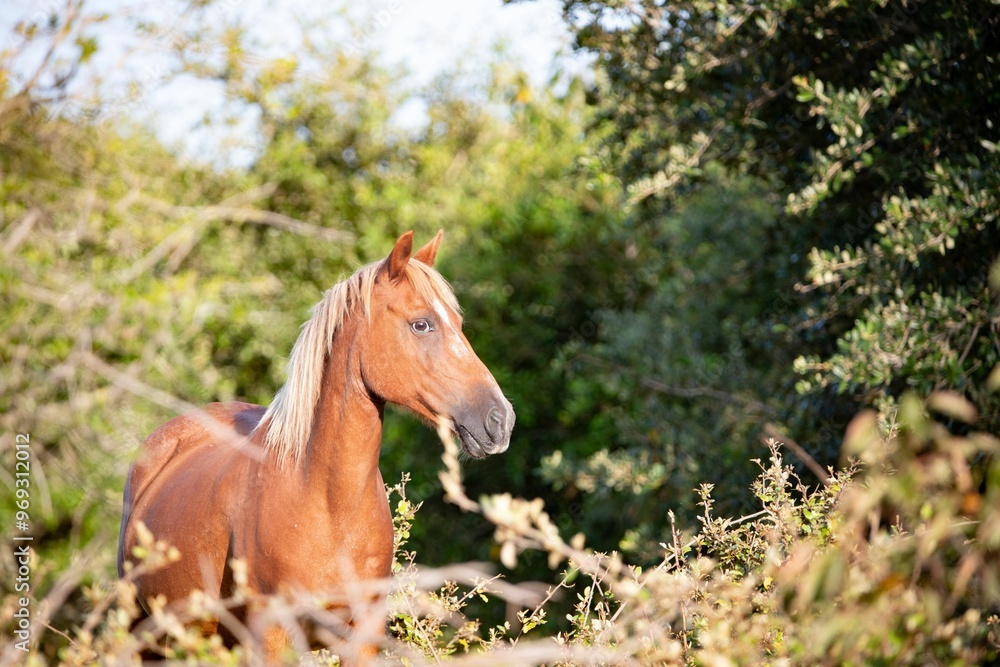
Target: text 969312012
<point x="22" y="540"/>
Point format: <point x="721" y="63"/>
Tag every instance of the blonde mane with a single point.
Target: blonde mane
<point x="288" y="421"/>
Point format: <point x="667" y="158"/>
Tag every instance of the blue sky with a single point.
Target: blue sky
<point x="423" y="37"/>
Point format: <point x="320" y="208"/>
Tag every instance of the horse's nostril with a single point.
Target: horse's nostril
<point x="494" y="424"/>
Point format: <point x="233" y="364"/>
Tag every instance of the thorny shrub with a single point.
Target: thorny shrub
<point x="893" y="561"/>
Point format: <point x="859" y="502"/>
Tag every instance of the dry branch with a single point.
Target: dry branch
<point x="241" y="214"/>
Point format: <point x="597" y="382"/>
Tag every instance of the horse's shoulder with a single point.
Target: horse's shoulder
<point x="168" y="449"/>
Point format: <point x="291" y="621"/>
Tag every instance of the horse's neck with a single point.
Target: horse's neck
<point x="346" y="437"/>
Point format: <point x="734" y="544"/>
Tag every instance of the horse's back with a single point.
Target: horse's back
<point x="184" y="479"/>
<point x="189" y="432"/>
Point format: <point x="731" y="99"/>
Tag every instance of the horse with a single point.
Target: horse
<point x="294" y="492"/>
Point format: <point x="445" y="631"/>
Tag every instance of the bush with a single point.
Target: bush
<point x="894" y="560"/>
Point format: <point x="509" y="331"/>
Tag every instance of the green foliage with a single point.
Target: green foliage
<point x="838" y="163"/>
<point x="680" y="371"/>
<point x="809" y="218"/>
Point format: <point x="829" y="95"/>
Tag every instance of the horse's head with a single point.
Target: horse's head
<point x="415" y="354"/>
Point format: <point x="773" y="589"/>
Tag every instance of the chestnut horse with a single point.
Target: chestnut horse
<point x="295" y="491"/>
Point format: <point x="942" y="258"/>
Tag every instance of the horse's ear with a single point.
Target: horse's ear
<point x="395" y="263"/>
<point x="427" y="254"/>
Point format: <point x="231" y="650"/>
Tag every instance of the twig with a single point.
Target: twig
<point x="278" y="220"/>
<point x="168" y="245"/>
<point x="670" y="181"/>
<point x="771" y="431"/>
<point x="530" y="534"/>
<point x="451" y="476"/>
<point x="70" y="16"/>
<point x="683" y="392"/>
<point x="179" y="243"/>
<point x="972" y="339"/>
<point x="242" y="214"/>
<point x="219" y="430"/>
<point x="59" y="632"/>
<point x="20" y="230"/>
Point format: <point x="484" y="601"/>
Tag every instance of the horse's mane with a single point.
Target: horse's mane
<point x="288" y="421"/>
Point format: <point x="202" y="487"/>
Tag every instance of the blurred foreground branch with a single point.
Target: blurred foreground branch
<point x="241" y="214"/>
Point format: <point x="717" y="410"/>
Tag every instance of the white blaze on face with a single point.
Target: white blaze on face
<point x="455" y="339"/>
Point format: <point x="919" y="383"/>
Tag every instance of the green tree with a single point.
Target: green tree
<point x="873" y="125"/>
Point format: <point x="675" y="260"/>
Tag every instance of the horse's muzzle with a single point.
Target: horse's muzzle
<point x="486" y="432"/>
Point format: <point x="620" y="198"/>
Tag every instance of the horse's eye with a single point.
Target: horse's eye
<point x="421" y="327"/>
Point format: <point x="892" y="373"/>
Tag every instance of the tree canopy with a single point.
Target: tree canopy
<point x="816" y="185"/>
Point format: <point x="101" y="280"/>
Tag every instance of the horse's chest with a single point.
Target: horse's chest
<point x="317" y="550"/>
